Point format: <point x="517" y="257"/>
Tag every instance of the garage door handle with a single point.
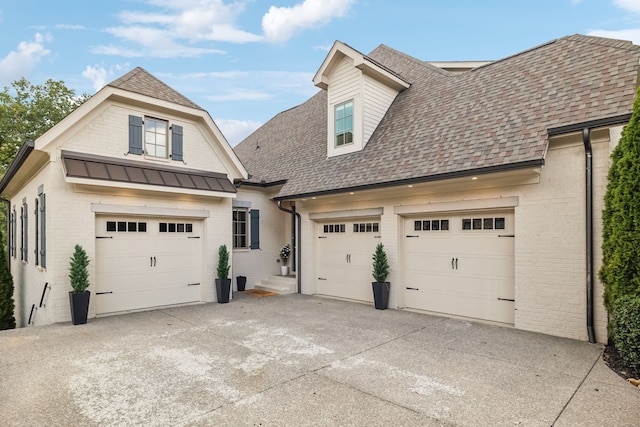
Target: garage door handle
<point x="151" y="261"/>
<point x="456" y="263"/>
<point x="154" y="261"/>
<point x="452" y="263"/>
<point x="413" y="289"/>
<point x="103" y="293"/>
<point x="506" y="299"/>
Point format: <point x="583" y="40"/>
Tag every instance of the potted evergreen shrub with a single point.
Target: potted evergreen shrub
<point x="223" y="282"/>
<point x="79" y="277"/>
<point x="284" y="257"/>
<point x="380" y="273"/>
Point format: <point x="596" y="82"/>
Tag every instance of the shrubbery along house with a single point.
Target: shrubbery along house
<point x="484" y="181"/>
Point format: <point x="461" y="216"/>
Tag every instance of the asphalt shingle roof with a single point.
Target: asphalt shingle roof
<point x="141" y="81"/>
<point x="494" y="115"/>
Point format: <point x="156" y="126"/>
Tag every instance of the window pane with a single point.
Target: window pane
<point x="466" y="224"/>
<point x="122" y="226"/>
<point x="180" y="228"/>
<point x="376" y="227"/>
<point x="161" y="151"/>
<point x="111" y="226"/>
<point x="340" y="140"/>
<point x="417" y="225"/>
<point x="189" y="228"/>
<point x="142" y="227"/>
<point x="340" y="111"/>
<point x="163" y="227"/>
<point x="348" y="138"/>
<point x="477" y="223"/>
<point x="435" y="225"/>
<point x="444" y="224"/>
<point x="426" y="225"/>
<point x="348" y="123"/>
<point x="499" y="224"/>
<point x="340" y="126"/>
<point x="172" y="227"/>
<point x="132" y="226"/>
<point x="488" y="224"/>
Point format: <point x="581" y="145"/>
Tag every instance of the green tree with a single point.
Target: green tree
<point x="7" y="305"/>
<point x="28" y="110"/>
<point x="620" y="271"/>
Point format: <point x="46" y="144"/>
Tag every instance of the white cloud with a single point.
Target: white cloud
<point x="98" y="76"/>
<point x="173" y="31"/>
<point x="70" y="27"/>
<point x="630" y="5"/>
<point x="281" y="23"/>
<point x="236" y="130"/>
<point x="19" y="62"/>
<point x="630" y="34"/>
<point x="241" y="95"/>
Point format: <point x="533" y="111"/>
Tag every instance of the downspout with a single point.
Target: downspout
<point x="297" y="243"/>
<point x="586" y="139"/>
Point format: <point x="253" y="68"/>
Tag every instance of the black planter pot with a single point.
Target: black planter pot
<point x="223" y="289"/>
<point x="241" y="281"/>
<point x="79" y="302"/>
<point x="381" y="294"/>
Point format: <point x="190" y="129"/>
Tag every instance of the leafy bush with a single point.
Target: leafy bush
<point x="624" y="329"/>
<point x="223" y="262"/>
<point x="7" y="305"/>
<point x="620" y="271"/>
<point x="78" y="273"/>
<point x="380" y="264"/>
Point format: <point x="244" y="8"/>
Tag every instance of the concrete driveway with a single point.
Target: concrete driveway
<point x="300" y="360"/>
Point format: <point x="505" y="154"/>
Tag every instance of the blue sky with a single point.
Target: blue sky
<point x="246" y="60"/>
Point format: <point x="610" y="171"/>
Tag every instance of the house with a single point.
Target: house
<point x="143" y="179"/>
<point x="485" y="183"/>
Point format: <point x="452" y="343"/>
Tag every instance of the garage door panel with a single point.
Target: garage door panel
<point x="458" y="271"/>
<point x="142" y="269"/>
<point x="344" y="259"/>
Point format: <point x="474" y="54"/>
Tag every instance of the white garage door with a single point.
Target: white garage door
<point x="461" y="265"/>
<point x="147" y="262"/>
<point x="345" y="249"/>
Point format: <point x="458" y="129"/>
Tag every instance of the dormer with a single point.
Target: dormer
<point x="359" y="93"/>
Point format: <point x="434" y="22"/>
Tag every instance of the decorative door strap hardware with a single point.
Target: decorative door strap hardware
<point x="104" y="237"/>
<point x="377" y="237"/>
<point x="103" y="293"/>
<point x="413" y="236"/>
<point x="506" y="299"/>
<point x="322" y="237"/>
<point x="321" y="278"/>
<point x="413" y="289"/>
<point x="193" y="237"/>
<point x="193" y="284"/>
<point x="506" y="235"/>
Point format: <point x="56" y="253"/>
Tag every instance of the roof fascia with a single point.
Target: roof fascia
<point x="16" y="164"/>
<point x="530" y="164"/>
<point x="592" y="124"/>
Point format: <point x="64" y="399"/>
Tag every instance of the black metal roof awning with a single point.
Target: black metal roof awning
<point x="92" y="167"/>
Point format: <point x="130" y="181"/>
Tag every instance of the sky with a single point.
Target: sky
<point x="244" y="61"/>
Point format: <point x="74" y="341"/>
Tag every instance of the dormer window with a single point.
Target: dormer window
<point x="344" y="123"/>
<point x="155" y="137"/>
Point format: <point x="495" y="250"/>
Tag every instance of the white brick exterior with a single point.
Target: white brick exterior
<point x="103" y="130"/>
<point x="550" y="260"/>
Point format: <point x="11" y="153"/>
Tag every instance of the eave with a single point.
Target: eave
<point x="27" y="162"/>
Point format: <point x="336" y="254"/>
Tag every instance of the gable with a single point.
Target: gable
<point x="123" y="125"/>
<point x="363" y="86"/>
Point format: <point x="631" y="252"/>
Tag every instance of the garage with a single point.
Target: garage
<point x="144" y="262"/>
<point x="345" y="248"/>
<point x="461" y="264"/>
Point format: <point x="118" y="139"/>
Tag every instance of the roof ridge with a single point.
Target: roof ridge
<point x="412" y="59"/>
<point x="603" y="41"/>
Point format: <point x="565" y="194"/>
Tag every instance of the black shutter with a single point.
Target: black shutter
<point x="176" y="142"/>
<point x="43" y="228"/>
<point x="135" y="135"/>
<point x="36" y="251"/>
<point x="255" y="229"/>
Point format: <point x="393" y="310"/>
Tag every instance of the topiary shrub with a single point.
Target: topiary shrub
<point x="223" y="262"/>
<point x="78" y="272"/>
<point x="380" y="264"/>
<point x="624" y="329"/>
<point x="620" y="271"/>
